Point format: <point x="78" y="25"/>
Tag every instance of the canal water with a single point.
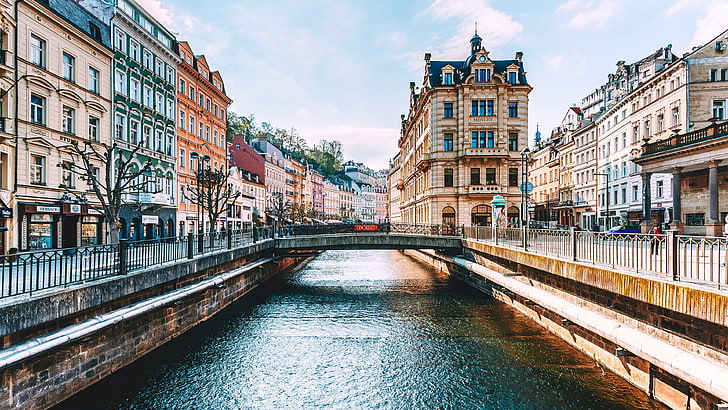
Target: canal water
<point x="360" y="330"/>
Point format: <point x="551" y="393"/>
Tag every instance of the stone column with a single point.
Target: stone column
<point x="676" y="222"/>
<point x="712" y="225"/>
<point x="646" y="200"/>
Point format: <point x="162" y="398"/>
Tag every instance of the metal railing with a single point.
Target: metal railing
<point x="354" y="228"/>
<point x="698" y="259"/>
<point x="33" y="271"/>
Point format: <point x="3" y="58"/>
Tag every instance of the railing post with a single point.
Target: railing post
<point x="524" y="234"/>
<point x="229" y="235"/>
<point x="495" y="234"/>
<point x="672" y="255"/>
<point x="200" y="242"/>
<point x="190" y="245"/>
<point x="123" y="256"/>
<point x="255" y="234"/>
<point x="572" y="242"/>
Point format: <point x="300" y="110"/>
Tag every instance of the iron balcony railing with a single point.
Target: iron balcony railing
<point x="676" y="141"/>
<point x="33" y="271"/>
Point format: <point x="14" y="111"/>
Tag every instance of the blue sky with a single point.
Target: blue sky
<point x="341" y="69"/>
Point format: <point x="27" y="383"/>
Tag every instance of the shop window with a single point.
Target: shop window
<point x="695" y="219"/>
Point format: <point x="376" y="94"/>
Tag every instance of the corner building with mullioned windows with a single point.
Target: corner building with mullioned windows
<point x="461" y="141"/>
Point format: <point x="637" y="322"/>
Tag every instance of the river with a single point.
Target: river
<point x="365" y="329"/>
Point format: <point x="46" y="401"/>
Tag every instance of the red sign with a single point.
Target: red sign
<point x="372" y="227"/>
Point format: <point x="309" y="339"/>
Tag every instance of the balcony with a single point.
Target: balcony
<point x="676" y="141"/>
<point x="487" y="152"/>
<point x="484" y="189"/>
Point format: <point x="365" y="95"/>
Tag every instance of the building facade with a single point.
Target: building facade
<point x="461" y="141"/>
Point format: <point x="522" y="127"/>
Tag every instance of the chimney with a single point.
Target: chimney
<point x="427" y="58"/>
<point x="519" y="55"/>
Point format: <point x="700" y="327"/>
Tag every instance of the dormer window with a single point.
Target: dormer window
<point x="512" y="77"/>
<point x="447" y="79"/>
<point x="482" y="75"/>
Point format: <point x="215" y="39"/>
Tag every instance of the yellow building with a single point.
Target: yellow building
<point x="461" y="141"/>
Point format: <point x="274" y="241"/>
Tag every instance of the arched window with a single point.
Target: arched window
<point x="448" y="216"/>
<point x="481" y="215"/>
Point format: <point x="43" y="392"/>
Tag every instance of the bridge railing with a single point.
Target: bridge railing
<point x="698" y="259"/>
<point x="355" y="228"/>
<point x="33" y="271"/>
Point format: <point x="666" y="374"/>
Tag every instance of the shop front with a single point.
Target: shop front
<point x="149" y="224"/>
<point x="59" y="226"/>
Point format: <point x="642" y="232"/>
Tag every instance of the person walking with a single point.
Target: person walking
<point x="655" y="240"/>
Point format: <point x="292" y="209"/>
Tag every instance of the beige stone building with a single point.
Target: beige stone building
<point x="461" y="140"/>
<point x="394" y="190"/>
<point x="7" y="126"/>
<point x="63" y="96"/>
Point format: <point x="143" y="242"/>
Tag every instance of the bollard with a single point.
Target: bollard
<point x="123" y="255"/>
<point x="572" y="242"/>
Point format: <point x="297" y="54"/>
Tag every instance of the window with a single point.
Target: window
<point x="37" y="169"/>
<point x="159" y="67"/>
<point x="182" y="120"/>
<point x="214" y="109"/>
<point x="635" y="192"/>
<point x="202" y="99"/>
<point x="512" y="176"/>
<point x="482" y="108"/>
<point x="182" y="86"/>
<point x="447" y="79"/>
<point x="170" y="75"/>
<point x="147" y="137"/>
<point x="134" y="132"/>
<point x="474" y="176"/>
<point x="695" y="219"/>
<point x="448" y="180"/>
<point x="483" y="139"/>
<point x="68" y="115"/>
<point x="448" y="110"/>
<point x="120" y="41"/>
<point x="192" y="93"/>
<point x="158" y="136"/>
<point x="148" y="96"/>
<point x="192" y="125"/>
<point x="147" y="59"/>
<point x="134" y="50"/>
<point x="120" y="82"/>
<point x="490" y="176"/>
<point x="93" y="128"/>
<point x="202" y="130"/>
<point x="490" y="140"/>
<point x="69" y="67"/>
<point x="489" y="107"/>
<point x="660" y="122"/>
<point x="482" y="75"/>
<point x="512" y="109"/>
<point x="512" y="141"/>
<point x="134" y="89"/>
<point x="207" y="133"/>
<point x="67" y="179"/>
<point x="37" y="51"/>
<point x="214" y="137"/>
<point x="512" y="77"/>
<point x="119" y="123"/>
<point x="675" y="115"/>
<point x="447" y="142"/>
<point x="719" y="109"/>
<point x="93" y="80"/>
<point x="659" y="189"/>
<point x="159" y="104"/>
<point x="207" y="104"/>
<point x="37" y="109"/>
<point x="182" y="158"/>
<point x="647" y="129"/>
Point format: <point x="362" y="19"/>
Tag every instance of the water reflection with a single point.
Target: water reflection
<point x="365" y="329"/>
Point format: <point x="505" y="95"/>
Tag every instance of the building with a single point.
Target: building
<point x="63" y="96"/>
<point x="251" y="204"/>
<point x="461" y="140"/>
<point x="8" y="213"/>
<point x="201" y="130"/>
<point x="394" y="189"/>
<point x="583" y="172"/>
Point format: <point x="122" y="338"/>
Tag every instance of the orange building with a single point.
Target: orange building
<point x="201" y="124"/>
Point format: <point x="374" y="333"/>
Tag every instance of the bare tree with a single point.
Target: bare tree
<point x="121" y="176"/>
<point x="213" y="192"/>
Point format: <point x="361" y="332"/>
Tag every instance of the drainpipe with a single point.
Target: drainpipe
<point x="695" y="369"/>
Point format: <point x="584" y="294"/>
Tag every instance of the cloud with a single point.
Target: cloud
<point x="590" y="13"/>
<point x="711" y="24"/>
<point x="681" y="5"/>
<point x="554" y="63"/>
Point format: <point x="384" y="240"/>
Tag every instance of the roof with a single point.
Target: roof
<point x="82" y="19"/>
<point x="463" y="70"/>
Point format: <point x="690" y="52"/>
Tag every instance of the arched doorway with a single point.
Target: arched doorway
<point x="514" y="221"/>
<point x="481" y="215"/>
<point x="170" y="228"/>
<point x="182" y="228"/>
<point x="448" y="218"/>
<point x="135" y="229"/>
<point x="123" y="229"/>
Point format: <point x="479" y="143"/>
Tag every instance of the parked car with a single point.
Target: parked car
<point x="624" y="230"/>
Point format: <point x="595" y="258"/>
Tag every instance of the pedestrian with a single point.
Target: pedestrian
<point x="655" y="239"/>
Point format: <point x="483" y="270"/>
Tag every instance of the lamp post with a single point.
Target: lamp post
<point x="607" y="223"/>
<point x="200" y="179"/>
<point x="526" y="186"/>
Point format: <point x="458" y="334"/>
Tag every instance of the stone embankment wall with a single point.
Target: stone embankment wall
<point x="59" y="343"/>
<point x="665" y="337"/>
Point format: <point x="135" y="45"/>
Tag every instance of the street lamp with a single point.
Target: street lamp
<point x="200" y="180"/>
<point x="607" y="199"/>
<point x="526" y="187"/>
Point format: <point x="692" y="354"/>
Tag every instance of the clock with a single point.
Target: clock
<point x="482" y="59"/>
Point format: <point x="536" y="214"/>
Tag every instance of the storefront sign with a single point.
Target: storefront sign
<point x="359" y="228"/>
<point x="75" y="209"/>
<point x="191" y="218"/>
<point x="6" y="213"/>
<point x="49" y="209"/>
<point x="149" y="219"/>
<point x="223" y="218"/>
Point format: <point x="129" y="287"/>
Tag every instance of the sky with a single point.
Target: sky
<point x="341" y="69"/>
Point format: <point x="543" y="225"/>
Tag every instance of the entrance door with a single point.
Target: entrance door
<point x="481" y="215"/>
<point x="69" y="232"/>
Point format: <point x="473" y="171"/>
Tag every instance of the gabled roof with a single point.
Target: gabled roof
<point x="499" y="66"/>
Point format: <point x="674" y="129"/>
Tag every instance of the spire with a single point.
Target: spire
<point x="475" y="42"/>
<point x="537" y="138"/>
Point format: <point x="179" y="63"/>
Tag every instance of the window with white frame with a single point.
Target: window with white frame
<point x="182" y="122"/>
<point x="159" y="104"/>
<point x="67" y="178"/>
<point x="37" y="169"/>
<point x="93" y="128"/>
<point x="93" y="80"/>
<point x="69" y="67"/>
<point x="170" y="109"/>
<point x="675" y="115"/>
<point x="159" y="135"/>
<point x="182" y="158"/>
<point x="719" y="109"/>
<point x="159" y="68"/>
<point x="134" y="132"/>
<point x="147" y="59"/>
<point x="120" y="41"/>
<point x="37" y="50"/>
<point x="170" y="75"/>
<point x="68" y="115"/>
<point x="120" y="127"/>
<point x="134" y="50"/>
<point x="147" y="140"/>
<point x="134" y="89"/>
<point x="37" y="109"/>
<point x="191" y="130"/>
<point x="202" y="130"/>
<point x="148" y="96"/>
<point x="659" y="189"/>
<point x="120" y="86"/>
